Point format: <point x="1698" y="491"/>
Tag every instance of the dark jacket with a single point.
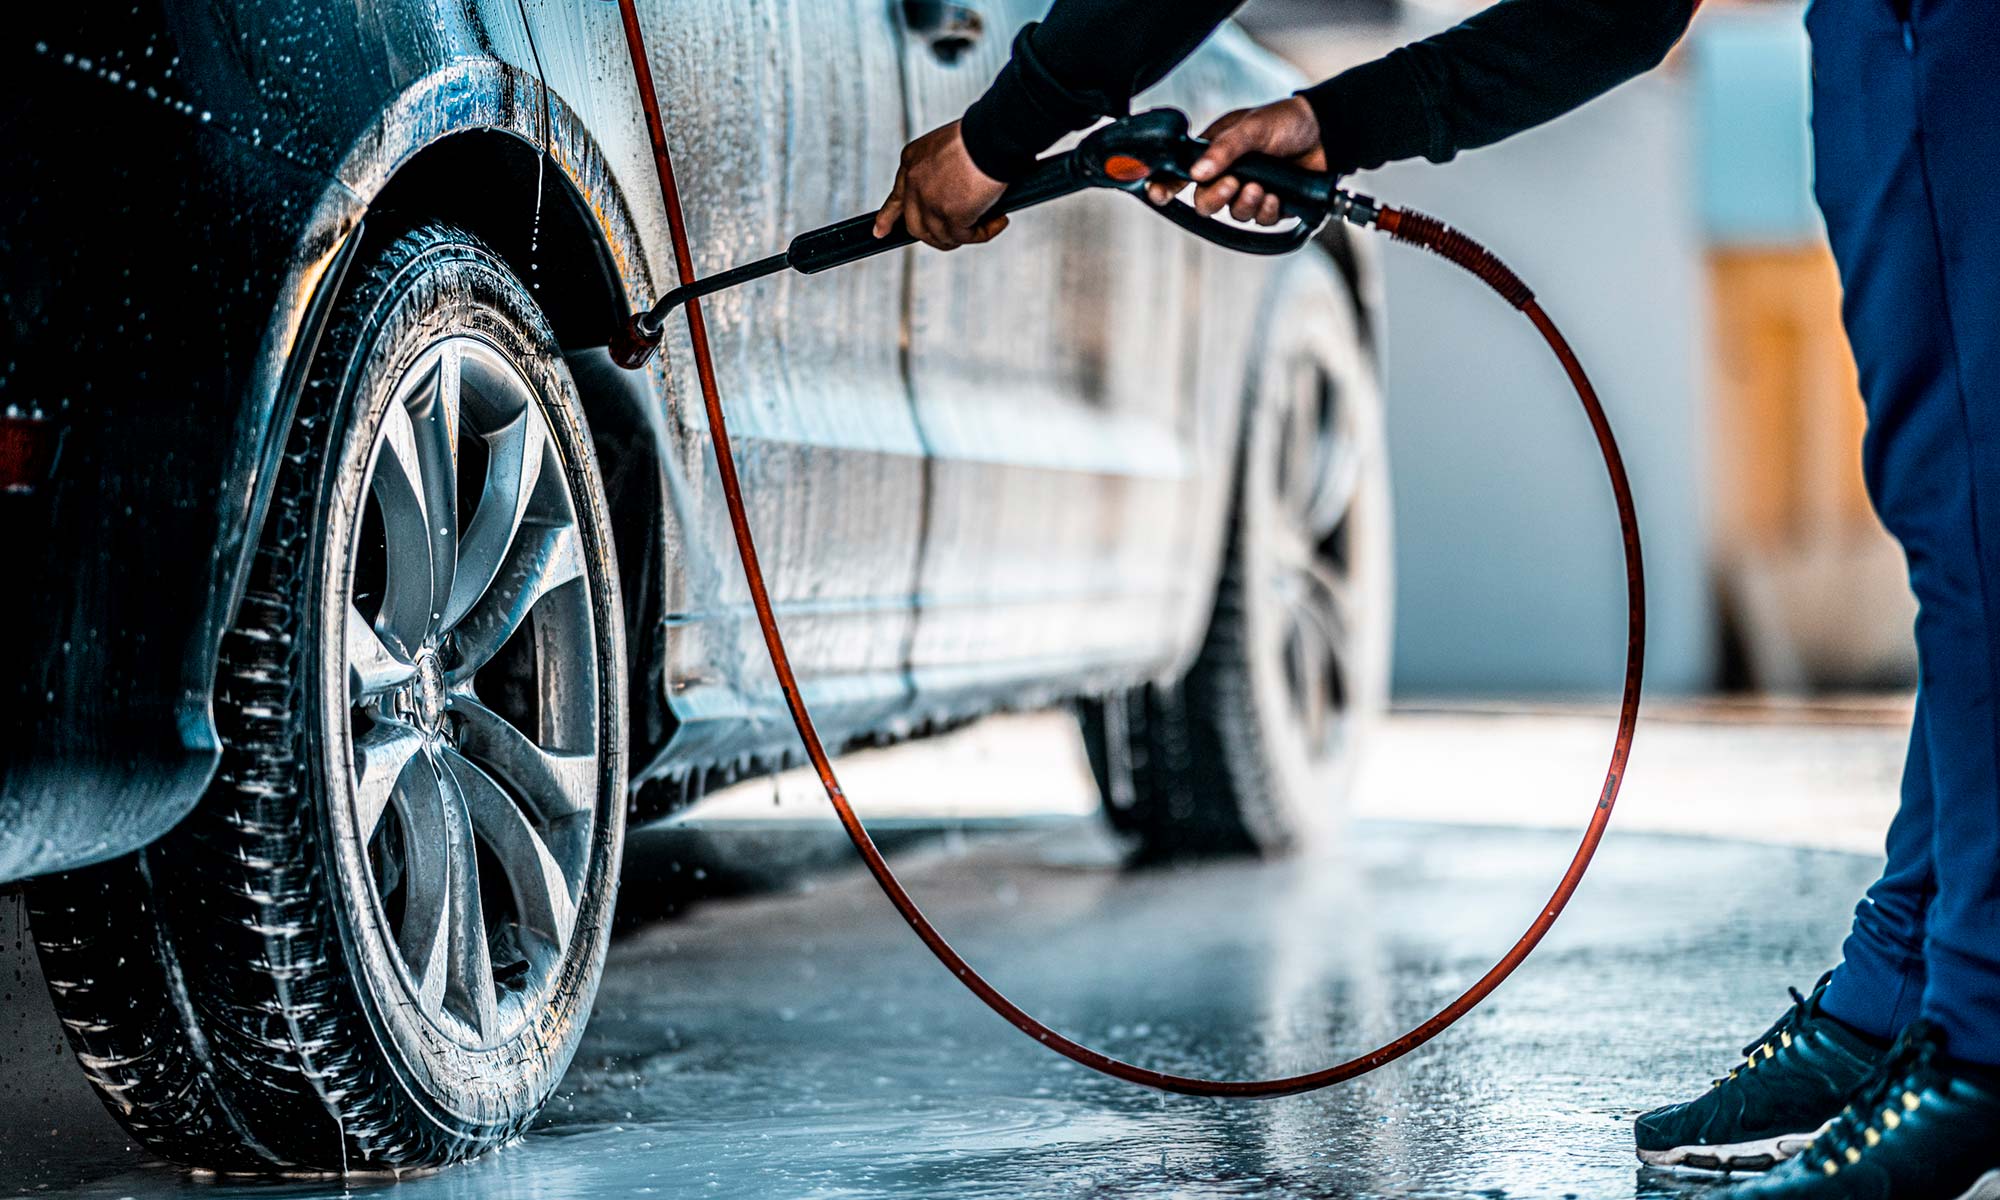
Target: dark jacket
<point x="1510" y="67"/>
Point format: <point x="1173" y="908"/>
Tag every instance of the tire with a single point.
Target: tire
<point x="1253" y="751"/>
<point x="375" y="941"/>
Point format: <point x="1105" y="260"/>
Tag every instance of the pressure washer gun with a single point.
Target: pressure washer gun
<point x="1124" y="155"/>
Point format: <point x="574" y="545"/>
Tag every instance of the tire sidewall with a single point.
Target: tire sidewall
<point x="1312" y="319"/>
<point x="453" y="286"/>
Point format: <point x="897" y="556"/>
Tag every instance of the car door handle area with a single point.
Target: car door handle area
<point x="948" y="30"/>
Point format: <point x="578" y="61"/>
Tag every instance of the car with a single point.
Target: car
<point x="360" y="605"/>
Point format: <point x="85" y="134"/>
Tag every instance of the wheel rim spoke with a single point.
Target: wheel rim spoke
<point x="1318" y="467"/>
<point x="1338" y="482"/>
<point x="544" y="557"/>
<point x="557" y="785"/>
<point x="400" y="493"/>
<point x="542" y="897"/>
<point x="1303" y="457"/>
<point x="381" y="759"/>
<point x="1326" y="608"/>
<point x="469" y="986"/>
<point x="1307" y="671"/>
<point x="426" y="880"/>
<point x="514" y="467"/>
<point x="1322" y="629"/>
<point x="1317" y="478"/>
<point x="433" y="407"/>
<point x="1319" y="659"/>
<point x="373" y="668"/>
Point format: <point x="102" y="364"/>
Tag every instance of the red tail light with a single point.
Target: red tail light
<point x="27" y="452"/>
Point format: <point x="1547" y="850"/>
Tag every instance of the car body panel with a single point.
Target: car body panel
<point x="810" y="369"/>
<point x="1042" y="431"/>
<point x="179" y="215"/>
<point x="1048" y="377"/>
<point x="1078" y="419"/>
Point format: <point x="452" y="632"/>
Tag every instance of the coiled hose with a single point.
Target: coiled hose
<point x="1414" y="228"/>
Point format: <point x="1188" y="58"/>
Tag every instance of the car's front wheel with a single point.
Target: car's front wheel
<point x="376" y="940"/>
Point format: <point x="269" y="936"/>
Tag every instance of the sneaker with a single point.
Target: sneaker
<point x="1921" y="1127"/>
<point x="1793" y="1080"/>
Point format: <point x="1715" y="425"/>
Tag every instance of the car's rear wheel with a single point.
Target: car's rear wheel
<point x="376" y="940"/>
<point x="1254" y="750"/>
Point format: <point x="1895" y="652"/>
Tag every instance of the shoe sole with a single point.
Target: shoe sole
<point x="1760" y="1155"/>
<point x="1988" y="1187"/>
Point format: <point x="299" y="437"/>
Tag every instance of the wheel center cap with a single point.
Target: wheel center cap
<point x="428" y="694"/>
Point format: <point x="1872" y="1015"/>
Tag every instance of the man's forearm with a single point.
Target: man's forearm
<point x="1509" y="68"/>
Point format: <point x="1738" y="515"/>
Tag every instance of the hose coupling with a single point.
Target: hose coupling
<point x="634" y="342"/>
<point x="1354" y="207"/>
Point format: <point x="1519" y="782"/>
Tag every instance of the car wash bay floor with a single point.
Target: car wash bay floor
<point x="802" y="1044"/>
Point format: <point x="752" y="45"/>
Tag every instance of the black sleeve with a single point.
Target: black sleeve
<point x="1085" y="60"/>
<point x="1503" y="70"/>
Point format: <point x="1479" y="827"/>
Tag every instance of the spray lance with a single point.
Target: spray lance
<point x="1124" y="155"/>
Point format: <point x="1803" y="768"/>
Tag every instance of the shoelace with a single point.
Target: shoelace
<point x="1777" y="1037"/>
<point x="1894" y="1091"/>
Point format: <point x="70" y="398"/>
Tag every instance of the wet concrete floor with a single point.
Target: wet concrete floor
<point x="802" y="1044"/>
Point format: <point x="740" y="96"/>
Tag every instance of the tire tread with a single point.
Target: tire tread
<point x="268" y="1062"/>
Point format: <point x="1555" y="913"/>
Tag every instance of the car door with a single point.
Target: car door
<point x="1048" y="373"/>
<point x="780" y="116"/>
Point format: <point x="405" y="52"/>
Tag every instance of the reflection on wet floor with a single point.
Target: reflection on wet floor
<point x="804" y="1045"/>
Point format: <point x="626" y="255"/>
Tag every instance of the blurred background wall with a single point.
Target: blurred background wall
<point x="1670" y="229"/>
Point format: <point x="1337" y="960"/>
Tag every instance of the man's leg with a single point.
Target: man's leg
<point x="1908" y="176"/>
<point x="1868" y="177"/>
<point x="1956" y="45"/>
<point x="1908" y="167"/>
<point x="1880" y="982"/>
<point x="1909" y="180"/>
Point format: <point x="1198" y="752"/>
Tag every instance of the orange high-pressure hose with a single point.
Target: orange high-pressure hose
<point x="1405" y="226"/>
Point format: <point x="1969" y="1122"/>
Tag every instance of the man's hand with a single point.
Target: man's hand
<point x="1284" y="129"/>
<point x="940" y="195"/>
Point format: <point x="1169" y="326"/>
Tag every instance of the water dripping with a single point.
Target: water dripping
<point x="535" y="230"/>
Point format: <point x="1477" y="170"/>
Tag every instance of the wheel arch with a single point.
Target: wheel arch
<point x="488" y="132"/>
<point x="551" y="211"/>
<point x="491" y="149"/>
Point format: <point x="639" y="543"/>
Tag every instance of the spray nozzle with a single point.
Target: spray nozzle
<point x="634" y="342"/>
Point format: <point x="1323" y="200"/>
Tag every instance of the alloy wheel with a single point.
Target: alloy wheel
<point x="1315" y="487"/>
<point x="471" y="658"/>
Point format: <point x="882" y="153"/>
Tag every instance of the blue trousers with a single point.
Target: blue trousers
<point x="1906" y="126"/>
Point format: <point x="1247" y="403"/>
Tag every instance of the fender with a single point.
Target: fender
<point x="174" y="393"/>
